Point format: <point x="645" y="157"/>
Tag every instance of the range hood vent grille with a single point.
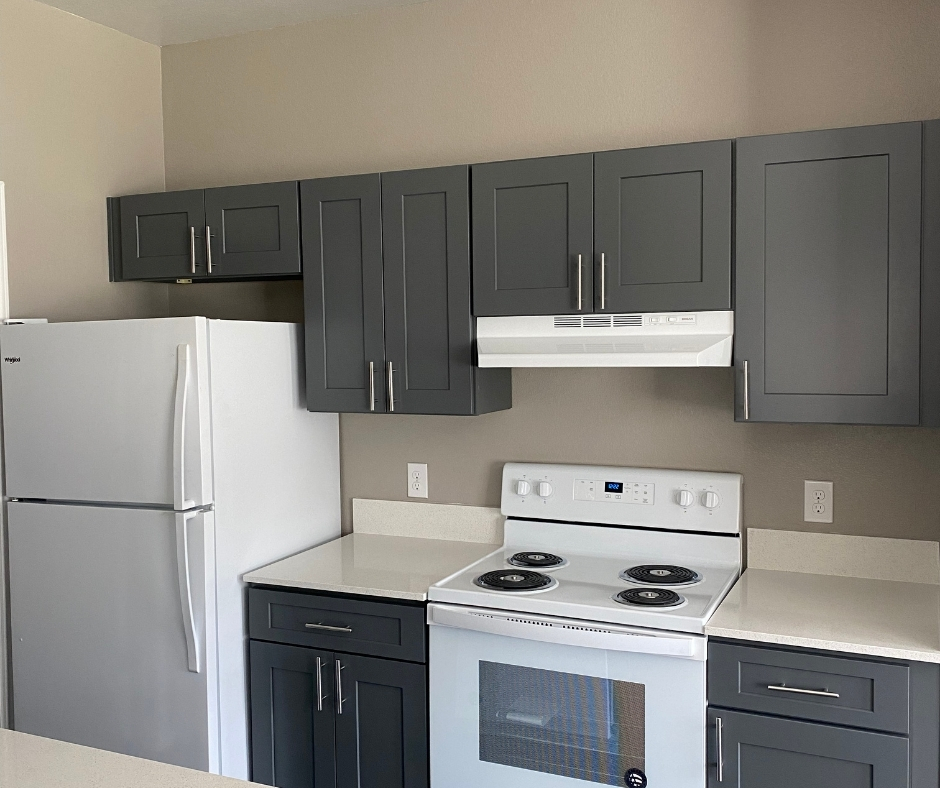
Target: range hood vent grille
<point x="597" y="321"/>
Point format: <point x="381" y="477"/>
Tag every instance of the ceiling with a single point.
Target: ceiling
<point x="179" y="21"/>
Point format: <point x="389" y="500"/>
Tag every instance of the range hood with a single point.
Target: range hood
<point x="661" y="339"/>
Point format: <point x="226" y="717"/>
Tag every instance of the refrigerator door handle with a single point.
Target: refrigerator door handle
<point x="179" y="429"/>
<point x="186" y="591"/>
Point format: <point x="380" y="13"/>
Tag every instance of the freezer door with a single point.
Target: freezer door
<point x="100" y="630"/>
<point x="107" y="411"/>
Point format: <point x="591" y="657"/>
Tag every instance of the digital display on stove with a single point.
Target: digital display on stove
<point x="613" y="487"/>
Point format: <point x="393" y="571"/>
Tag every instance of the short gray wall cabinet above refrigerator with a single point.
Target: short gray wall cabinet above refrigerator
<point x="328" y="713"/>
<point x="227" y="233"/>
<point x="387" y="296"/>
<point x="641" y="230"/>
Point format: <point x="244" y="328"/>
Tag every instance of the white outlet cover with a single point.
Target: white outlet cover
<point x="417" y="480"/>
<point x="817" y="502"/>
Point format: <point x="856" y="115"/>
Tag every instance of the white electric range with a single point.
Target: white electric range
<point x="575" y="653"/>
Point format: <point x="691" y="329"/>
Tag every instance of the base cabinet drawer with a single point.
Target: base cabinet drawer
<point x="755" y="751"/>
<point x="856" y="692"/>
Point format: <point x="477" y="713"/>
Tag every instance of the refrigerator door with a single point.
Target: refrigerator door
<point x="103" y="637"/>
<point x="108" y="411"/>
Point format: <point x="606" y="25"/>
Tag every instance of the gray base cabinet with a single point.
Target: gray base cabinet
<point x="828" y="276"/>
<point x="327" y="717"/>
<point x="387" y="297"/>
<point x="223" y="234"/>
<point x="786" y="716"/>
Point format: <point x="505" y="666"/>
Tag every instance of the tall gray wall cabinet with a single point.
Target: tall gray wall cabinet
<point x="828" y="276"/>
<point x="338" y="691"/>
<point x="387" y="296"/>
<point x="637" y="230"/>
<point x="783" y="717"/>
<point x="222" y="234"/>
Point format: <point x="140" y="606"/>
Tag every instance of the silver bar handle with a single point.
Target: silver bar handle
<point x="319" y="684"/>
<point x="747" y="392"/>
<point x="580" y="277"/>
<point x="192" y="250"/>
<point x="208" y="249"/>
<point x="603" y="282"/>
<point x="339" y="687"/>
<point x="798" y="691"/>
<point x="328" y="627"/>
<point x="372" y="386"/>
<point x="720" y="765"/>
<point x="391" y="388"/>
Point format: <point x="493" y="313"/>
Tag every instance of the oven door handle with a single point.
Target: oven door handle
<point x="566" y="631"/>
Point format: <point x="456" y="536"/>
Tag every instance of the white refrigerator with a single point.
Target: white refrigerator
<point x="149" y="465"/>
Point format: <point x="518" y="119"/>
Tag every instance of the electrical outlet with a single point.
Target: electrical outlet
<point x="817" y="502"/>
<point x="417" y="480"/>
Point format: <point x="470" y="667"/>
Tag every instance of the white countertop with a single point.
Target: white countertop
<point x="399" y="567"/>
<point x="33" y="762"/>
<point x="883" y="618"/>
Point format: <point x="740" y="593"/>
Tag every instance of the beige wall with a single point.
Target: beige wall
<point x="80" y="119"/>
<point x="472" y="80"/>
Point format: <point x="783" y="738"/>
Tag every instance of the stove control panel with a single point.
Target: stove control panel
<point x="646" y="497"/>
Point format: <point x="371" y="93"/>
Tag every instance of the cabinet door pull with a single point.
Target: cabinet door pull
<point x="192" y="250"/>
<point x="797" y="690"/>
<point x="372" y="386"/>
<point x="339" y="687"/>
<point x="747" y="392"/>
<point x="580" y="293"/>
<point x="208" y="249"/>
<point x="720" y="765"/>
<point x="391" y="388"/>
<point x="319" y="684"/>
<point x="328" y="627"/>
<point x="603" y="282"/>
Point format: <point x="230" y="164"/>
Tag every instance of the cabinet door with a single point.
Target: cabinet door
<point x="382" y="724"/>
<point x="828" y="276"/>
<point x="770" y="752"/>
<point x="162" y="235"/>
<point x="292" y="716"/>
<point x="662" y="228"/>
<point x="341" y="220"/>
<point x="532" y="224"/>
<point x="253" y="230"/>
<point x="428" y="327"/>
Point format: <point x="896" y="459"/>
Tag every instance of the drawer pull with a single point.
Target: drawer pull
<point x="720" y="766"/>
<point x="798" y="691"/>
<point x="328" y="628"/>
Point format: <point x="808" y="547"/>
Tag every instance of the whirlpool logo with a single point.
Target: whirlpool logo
<point x="11" y="359"/>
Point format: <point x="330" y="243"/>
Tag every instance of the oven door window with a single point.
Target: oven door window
<point x="584" y="727"/>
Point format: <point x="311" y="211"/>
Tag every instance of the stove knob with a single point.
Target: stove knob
<point x="545" y="490"/>
<point x="685" y="498"/>
<point x="711" y="500"/>
<point x="523" y="487"/>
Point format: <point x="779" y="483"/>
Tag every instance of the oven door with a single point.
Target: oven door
<point x="530" y="701"/>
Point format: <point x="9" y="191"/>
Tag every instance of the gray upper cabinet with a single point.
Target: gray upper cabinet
<point x="662" y="228"/>
<point x="387" y="296"/>
<point x="157" y="236"/>
<point x="343" y="303"/>
<point x="253" y="230"/>
<point x="228" y="233"/>
<point x="533" y="227"/>
<point x="828" y="276"/>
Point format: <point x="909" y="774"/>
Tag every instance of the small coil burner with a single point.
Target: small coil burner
<point x="515" y="580"/>
<point x="536" y="560"/>
<point x="660" y="575"/>
<point x="649" y="597"/>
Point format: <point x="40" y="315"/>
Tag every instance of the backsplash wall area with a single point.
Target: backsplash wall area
<point x="458" y="81"/>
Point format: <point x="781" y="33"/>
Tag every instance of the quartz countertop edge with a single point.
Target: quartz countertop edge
<point x="878" y="618"/>
<point x="28" y="761"/>
<point x="395" y="567"/>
